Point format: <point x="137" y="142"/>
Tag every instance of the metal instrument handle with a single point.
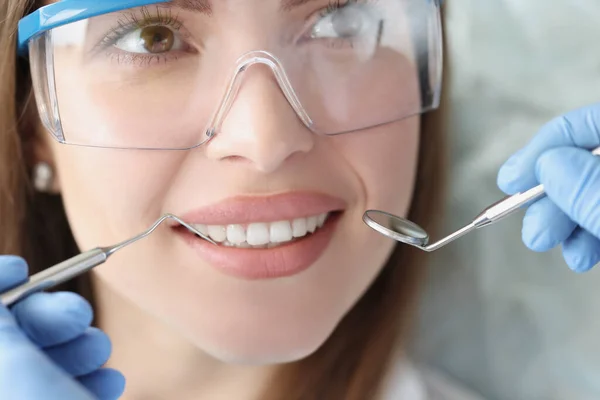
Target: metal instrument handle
<point x="55" y="275"/>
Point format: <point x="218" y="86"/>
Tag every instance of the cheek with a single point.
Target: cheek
<point x="111" y="194"/>
<point x="385" y="161"/>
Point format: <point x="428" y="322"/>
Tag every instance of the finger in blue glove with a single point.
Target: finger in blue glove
<point x="13" y="272"/>
<point x="579" y="128"/>
<point x="545" y="226"/>
<point x="106" y="383"/>
<point x="50" y="319"/>
<point x="82" y="356"/>
<point x="559" y="158"/>
<point x="27" y="372"/>
<point x="571" y="178"/>
<point x="581" y="251"/>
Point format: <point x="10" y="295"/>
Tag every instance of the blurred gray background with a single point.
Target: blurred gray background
<point x="507" y="322"/>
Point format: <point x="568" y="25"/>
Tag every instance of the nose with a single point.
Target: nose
<point x="261" y="127"/>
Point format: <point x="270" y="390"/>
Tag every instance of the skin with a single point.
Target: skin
<point x="180" y="328"/>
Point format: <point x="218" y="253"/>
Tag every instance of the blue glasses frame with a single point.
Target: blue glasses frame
<point x="67" y="11"/>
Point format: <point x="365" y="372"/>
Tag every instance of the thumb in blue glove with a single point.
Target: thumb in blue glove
<point x="47" y="349"/>
<point x="559" y="157"/>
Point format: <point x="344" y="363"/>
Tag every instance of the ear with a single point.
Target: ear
<point x="43" y="153"/>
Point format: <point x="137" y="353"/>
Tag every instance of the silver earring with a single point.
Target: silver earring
<point x="43" y="177"/>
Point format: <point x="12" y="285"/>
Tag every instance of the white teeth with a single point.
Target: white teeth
<point x="258" y="234"/>
<point x="281" y="232"/>
<point x="236" y="234"/>
<point x="311" y="224"/>
<point x="299" y="227"/>
<point x="218" y="233"/>
<point x="203" y="229"/>
<point x="321" y="220"/>
<point x="262" y="235"/>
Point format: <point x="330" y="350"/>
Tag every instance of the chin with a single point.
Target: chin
<point x="250" y="357"/>
<point x="261" y="347"/>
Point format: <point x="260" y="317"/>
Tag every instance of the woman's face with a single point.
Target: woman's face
<point x="271" y="291"/>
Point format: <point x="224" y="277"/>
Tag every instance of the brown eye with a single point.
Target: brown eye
<point x="151" y="39"/>
<point x="157" y="39"/>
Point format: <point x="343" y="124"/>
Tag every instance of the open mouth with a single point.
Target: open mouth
<point x="281" y="256"/>
<point x="265" y="235"/>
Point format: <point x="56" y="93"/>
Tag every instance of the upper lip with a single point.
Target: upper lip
<point x="248" y="209"/>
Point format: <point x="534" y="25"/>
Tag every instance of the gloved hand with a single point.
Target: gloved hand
<point x="48" y="351"/>
<point x="560" y="158"/>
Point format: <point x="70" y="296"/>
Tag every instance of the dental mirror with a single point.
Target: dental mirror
<point x="396" y="228"/>
<point x="404" y="231"/>
<point x="407" y="232"/>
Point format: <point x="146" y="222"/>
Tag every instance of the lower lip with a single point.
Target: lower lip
<point x="253" y="264"/>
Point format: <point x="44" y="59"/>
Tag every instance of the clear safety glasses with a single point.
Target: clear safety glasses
<point x="149" y="74"/>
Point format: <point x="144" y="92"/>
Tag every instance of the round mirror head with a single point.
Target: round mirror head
<point x="396" y="228"/>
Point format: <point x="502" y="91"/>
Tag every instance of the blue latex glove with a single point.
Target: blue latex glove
<point x="48" y="349"/>
<point x="559" y="157"/>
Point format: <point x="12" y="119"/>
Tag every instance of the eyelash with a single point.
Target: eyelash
<point x="132" y="21"/>
<point x="165" y="17"/>
<point x="336" y="5"/>
<point x="333" y="7"/>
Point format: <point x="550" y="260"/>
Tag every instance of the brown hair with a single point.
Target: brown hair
<point x="349" y="366"/>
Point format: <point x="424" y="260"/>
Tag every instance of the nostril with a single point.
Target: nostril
<point x="236" y="159"/>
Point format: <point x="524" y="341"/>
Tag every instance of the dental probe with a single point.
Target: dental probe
<point x="80" y="264"/>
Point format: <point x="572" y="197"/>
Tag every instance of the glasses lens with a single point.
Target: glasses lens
<point x="153" y="77"/>
<point x="130" y="79"/>
<point x="369" y="63"/>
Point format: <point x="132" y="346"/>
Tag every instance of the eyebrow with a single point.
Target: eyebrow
<point x="288" y="5"/>
<point x="201" y="6"/>
<point x="205" y="7"/>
